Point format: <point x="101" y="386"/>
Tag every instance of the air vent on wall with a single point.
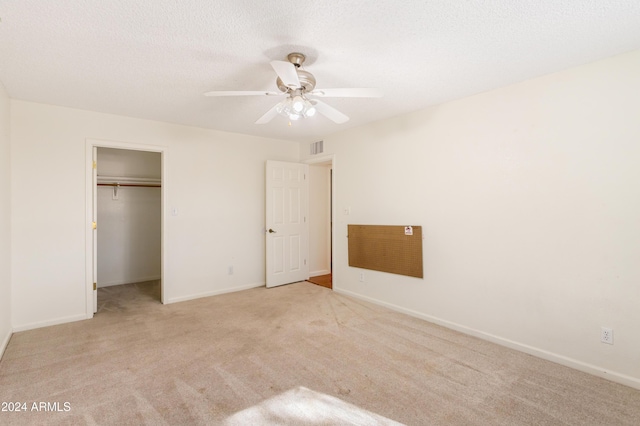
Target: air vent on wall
<point x="317" y="148"/>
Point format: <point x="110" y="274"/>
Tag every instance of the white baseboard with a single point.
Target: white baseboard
<point x="40" y="324"/>
<point x="72" y="318"/>
<point x="318" y="273"/>
<point x="4" y="343"/>
<point x="130" y="281"/>
<point x="213" y="293"/>
<point x="537" y="352"/>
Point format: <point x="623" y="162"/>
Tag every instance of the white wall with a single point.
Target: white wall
<point x="129" y="163"/>
<point x="5" y="221"/>
<point x="319" y="220"/>
<point x="129" y="219"/>
<point x="529" y="198"/>
<point x="214" y="179"/>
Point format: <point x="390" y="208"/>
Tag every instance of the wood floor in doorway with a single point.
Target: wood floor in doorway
<point x="322" y="280"/>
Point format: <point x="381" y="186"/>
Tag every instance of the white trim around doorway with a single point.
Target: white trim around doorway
<point x="89" y="145"/>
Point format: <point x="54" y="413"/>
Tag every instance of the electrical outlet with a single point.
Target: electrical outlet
<point x="230" y="270"/>
<point x="606" y="335"/>
<point x="361" y="277"/>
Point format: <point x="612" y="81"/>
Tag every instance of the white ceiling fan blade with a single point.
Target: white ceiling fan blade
<point x="287" y="73"/>
<point x="348" y="93"/>
<point x="241" y="93"/>
<point x="330" y="112"/>
<point x="269" y="115"/>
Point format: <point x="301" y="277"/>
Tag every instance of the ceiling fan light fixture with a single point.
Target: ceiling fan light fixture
<point x="309" y="109"/>
<point x="298" y="103"/>
<point x="281" y="106"/>
<point x="295" y="107"/>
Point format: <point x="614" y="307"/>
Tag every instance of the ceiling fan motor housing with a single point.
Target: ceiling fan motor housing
<point x="307" y="80"/>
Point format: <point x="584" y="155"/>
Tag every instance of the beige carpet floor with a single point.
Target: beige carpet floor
<point x="296" y="354"/>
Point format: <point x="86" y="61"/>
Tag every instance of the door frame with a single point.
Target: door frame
<point x="330" y="158"/>
<point x="90" y="144"/>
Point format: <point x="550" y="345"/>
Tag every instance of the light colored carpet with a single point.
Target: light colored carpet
<point x="296" y="354"/>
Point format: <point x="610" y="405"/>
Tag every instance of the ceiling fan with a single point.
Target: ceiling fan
<point x="298" y="86"/>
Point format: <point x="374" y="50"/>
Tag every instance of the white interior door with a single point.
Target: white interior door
<point x="287" y="229"/>
<point x="94" y="225"/>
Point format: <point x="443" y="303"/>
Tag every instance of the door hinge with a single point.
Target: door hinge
<point x="95" y="165"/>
<point x="94" y="225"/>
<point x="95" y="286"/>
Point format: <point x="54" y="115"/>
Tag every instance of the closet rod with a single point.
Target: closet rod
<point x="142" y="185"/>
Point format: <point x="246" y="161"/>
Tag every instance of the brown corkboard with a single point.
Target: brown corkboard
<point x="386" y="248"/>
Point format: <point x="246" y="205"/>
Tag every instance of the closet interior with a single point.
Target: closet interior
<point x="129" y="223"/>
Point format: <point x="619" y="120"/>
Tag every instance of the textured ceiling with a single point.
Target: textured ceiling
<point x="154" y="59"/>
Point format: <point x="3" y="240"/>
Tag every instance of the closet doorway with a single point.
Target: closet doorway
<point x="129" y="218"/>
<point x="124" y="251"/>
<point x="321" y="221"/>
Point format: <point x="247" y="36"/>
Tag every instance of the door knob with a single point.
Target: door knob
<point x="271" y="231"/>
